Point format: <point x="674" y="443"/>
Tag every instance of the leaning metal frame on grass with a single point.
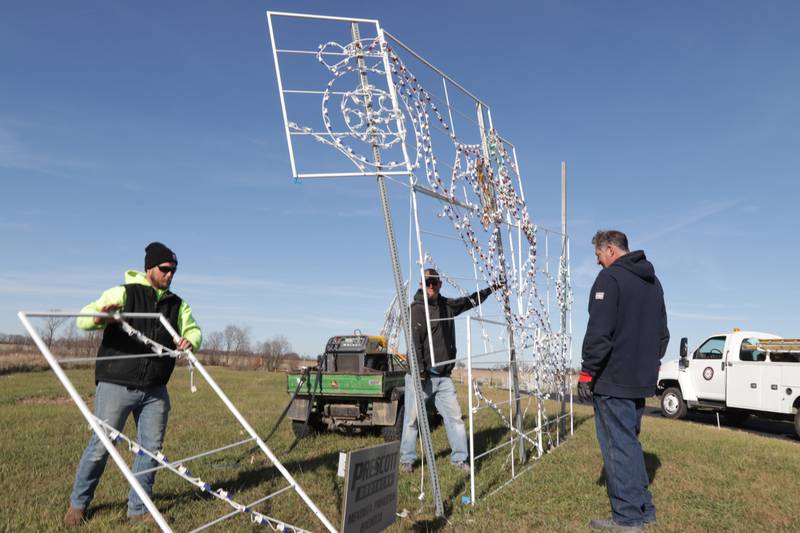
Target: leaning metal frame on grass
<point x="365" y="95"/>
<point x="108" y="435"/>
<point x="375" y="122"/>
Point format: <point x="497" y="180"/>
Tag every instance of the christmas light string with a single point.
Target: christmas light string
<point x="486" y="182"/>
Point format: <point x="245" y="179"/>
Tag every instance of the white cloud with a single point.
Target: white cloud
<point x="691" y="218"/>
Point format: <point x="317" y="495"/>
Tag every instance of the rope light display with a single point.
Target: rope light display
<point x="377" y="112"/>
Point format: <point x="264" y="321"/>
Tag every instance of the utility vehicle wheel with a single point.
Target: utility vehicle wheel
<point x="395" y="431"/>
<point x="735" y="418"/>
<point x="672" y="404"/>
<point x="302" y="430"/>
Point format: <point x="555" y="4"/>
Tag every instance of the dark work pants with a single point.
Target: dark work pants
<point x="618" y="421"/>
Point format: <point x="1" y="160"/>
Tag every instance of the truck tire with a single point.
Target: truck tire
<point x="395" y="431"/>
<point x="797" y="423"/>
<point x="302" y="430"/>
<point x="672" y="404"/>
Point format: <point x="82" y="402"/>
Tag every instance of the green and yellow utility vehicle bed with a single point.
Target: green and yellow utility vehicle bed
<point x="357" y="384"/>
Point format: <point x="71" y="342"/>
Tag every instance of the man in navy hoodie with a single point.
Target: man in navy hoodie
<point x="625" y="340"/>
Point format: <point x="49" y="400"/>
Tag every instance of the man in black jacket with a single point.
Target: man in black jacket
<point x="436" y="380"/>
<point x="136" y="386"/>
<point x="625" y="340"/>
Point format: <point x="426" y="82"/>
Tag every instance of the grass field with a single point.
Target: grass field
<point x="704" y="479"/>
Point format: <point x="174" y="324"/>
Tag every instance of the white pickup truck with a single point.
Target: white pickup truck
<point x="739" y="374"/>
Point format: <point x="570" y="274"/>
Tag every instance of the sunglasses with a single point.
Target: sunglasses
<point x="167" y="270"/>
<point x="431" y="282"/>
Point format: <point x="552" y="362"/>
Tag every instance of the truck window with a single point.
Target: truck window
<point x="750" y="352"/>
<point x="780" y="357"/>
<point x="711" y="349"/>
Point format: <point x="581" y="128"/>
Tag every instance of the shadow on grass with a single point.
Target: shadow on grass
<point x="266" y="473"/>
<point x="651" y="463"/>
<point x="235" y="483"/>
<point x="433" y="524"/>
<point x="781" y="429"/>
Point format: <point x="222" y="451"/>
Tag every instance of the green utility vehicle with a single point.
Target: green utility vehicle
<point x="357" y="384"/>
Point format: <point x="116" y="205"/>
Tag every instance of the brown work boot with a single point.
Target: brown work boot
<point x="144" y="518"/>
<point x="75" y="516"/>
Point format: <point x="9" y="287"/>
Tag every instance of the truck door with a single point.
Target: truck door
<point x="745" y="376"/>
<point x="707" y="369"/>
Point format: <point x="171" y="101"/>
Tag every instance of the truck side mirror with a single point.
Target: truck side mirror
<point x="684" y="347"/>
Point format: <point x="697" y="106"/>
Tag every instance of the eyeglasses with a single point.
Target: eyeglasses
<point x="167" y="270"/>
<point x="432" y="282"/>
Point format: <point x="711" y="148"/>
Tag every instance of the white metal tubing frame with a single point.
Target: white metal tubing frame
<point x="89" y="416"/>
<point x="517" y="265"/>
<point x="514" y="433"/>
<point x="381" y="176"/>
<point x="471" y="415"/>
<point x="186" y="475"/>
<point x="100" y="432"/>
<point x="252" y="432"/>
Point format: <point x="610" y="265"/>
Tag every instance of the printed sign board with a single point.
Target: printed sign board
<point x="370" y="501"/>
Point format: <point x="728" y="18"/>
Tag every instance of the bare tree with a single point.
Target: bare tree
<point x="91" y="341"/>
<point x="213" y="342"/>
<point x="237" y="340"/>
<point x="50" y="327"/>
<point x="272" y="351"/>
<point x="71" y="339"/>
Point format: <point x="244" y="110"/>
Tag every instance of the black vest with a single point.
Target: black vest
<point x="141" y="371"/>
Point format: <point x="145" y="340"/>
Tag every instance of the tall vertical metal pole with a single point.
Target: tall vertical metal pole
<point x="471" y="414"/>
<point x="563" y="304"/>
<point x="512" y="358"/>
<point x="422" y="418"/>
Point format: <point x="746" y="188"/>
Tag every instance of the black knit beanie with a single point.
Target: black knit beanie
<point x="156" y="253"/>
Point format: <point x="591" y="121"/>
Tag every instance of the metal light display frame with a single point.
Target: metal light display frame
<point x="376" y="118"/>
<point x="108" y="435"/>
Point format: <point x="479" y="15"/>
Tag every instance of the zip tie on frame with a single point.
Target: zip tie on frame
<point x="192" y="386"/>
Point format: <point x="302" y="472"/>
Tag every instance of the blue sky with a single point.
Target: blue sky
<point x="123" y="123"/>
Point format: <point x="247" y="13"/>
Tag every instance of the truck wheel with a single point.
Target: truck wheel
<point x="395" y="431"/>
<point x="302" y="430"/>
<point x="797" y="423"/>
<point x="672" y="404"/>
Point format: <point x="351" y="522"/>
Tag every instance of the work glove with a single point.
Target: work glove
<point x="500" y="284"/>
<point x="585" y="386"/>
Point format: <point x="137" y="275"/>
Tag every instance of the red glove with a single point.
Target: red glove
<point x="585" y="386"/>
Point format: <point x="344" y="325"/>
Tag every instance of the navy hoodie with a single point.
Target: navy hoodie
<point x="627" y="333"/>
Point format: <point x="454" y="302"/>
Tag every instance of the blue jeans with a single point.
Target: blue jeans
<point x="444" y="394"/>
<point x="112" y="404"/>
<point x="618" y="422"/>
